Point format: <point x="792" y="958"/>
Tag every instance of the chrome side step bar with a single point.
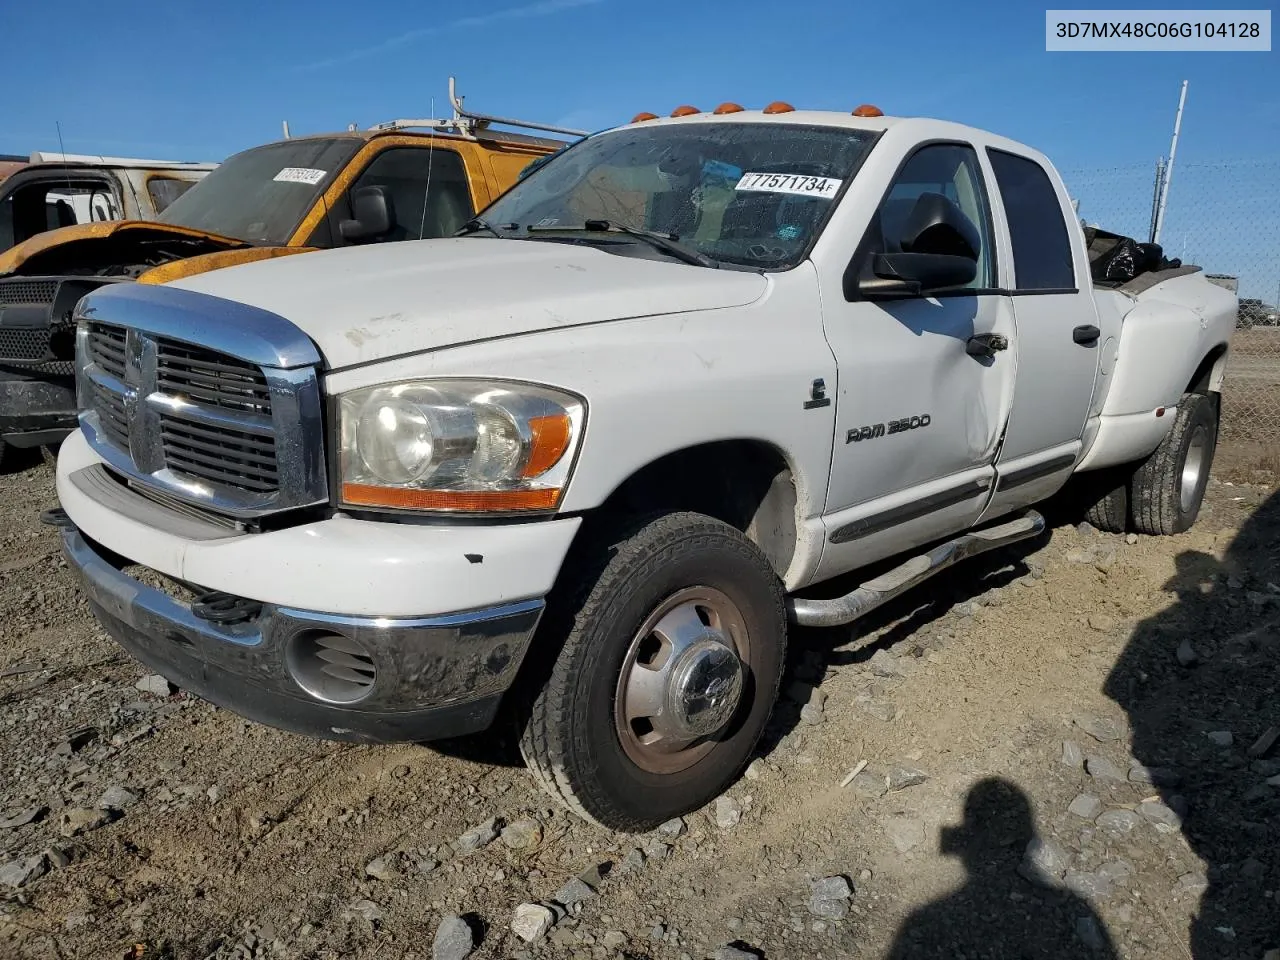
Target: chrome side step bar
<point x="874" y="593"/>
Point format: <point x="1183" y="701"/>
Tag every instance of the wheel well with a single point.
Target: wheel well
<point x="745" y="483"/>
<point x="1208" y="376"/>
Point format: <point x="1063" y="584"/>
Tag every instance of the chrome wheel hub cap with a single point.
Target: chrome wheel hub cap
<point x="1192" y="465"/>
<point x="682" y="681"/>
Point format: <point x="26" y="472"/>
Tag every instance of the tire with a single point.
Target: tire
<point x="1168" y="488"/>
<point x="577" y="738"/>
<point x="1104" y="495"/>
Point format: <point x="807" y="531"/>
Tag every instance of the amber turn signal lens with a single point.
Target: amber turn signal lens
<point x="779" y="106"/>
<point x="641" y="117"/>
<point x="550" y="441"/>
<point x="467" y="501"/>
<point x="728" y="108"/>
<point x="867" y="110"/>
<point x="685" y="111"/>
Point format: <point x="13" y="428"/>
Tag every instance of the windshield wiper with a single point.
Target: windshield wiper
<point x="476" y="224"/>
<point x="666" y="242"/>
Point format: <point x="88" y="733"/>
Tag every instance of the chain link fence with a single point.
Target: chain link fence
<point x="1224" y="217"/>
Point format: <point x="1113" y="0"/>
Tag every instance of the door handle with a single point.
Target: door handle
<point x="1086" y="335"/>
<point x="985" y="344"/>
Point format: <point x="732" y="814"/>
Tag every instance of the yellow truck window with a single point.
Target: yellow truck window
<point x="429" y="190"/>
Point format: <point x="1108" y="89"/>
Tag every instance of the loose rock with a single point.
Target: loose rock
<point x="1103" y="769"/>
<point x="755" y="769"/>
<point x="29" y="815"/>
<point x="899" y="778"/>
<point x="76" y="821"/>
<point x="522" y="835"/>
<point x="1221" y="738"/>
<point x="1072" y="756"/>
<point x="18" y="873"/>
<point x="870" y="785"/>
<point x="155" y="684"/>
<point x="730" y="952"/>
<point x="1186" y="654"/>
<point x="116" y="798"/>
<point x="1091" y="886"/>
<point x="673" y="828"/>
<point x="382" y="868"/>
<point x="832" y="888"/>
<point x="454" y="939"/>
<point x="531" y="921"/>
<point x="1085" y="806"/>
<point x="1102" y="729"/>
<point x="614" y="940"/>
<point x="477" y="837"/>
<point x="1101" y="622"/>
<point x="882" y="664"/>
<point x="728" y="812"/>
<point x="574" y="892"/>
<point x="1044" y="862"/>
<point x="811" y="714"/>
<point x="906" y="833"/>
<point x="1159" y="814"/>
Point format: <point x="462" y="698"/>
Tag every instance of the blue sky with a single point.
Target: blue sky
<point x="201" y="80"/>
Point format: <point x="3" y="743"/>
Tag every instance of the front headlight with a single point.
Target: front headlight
<point x="458" y="445"/>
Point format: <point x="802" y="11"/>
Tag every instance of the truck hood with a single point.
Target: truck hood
<point x="53" y="250"/>
<point x="380" y="301"/>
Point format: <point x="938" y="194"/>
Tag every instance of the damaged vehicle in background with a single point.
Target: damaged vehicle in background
<point x="45" y="199"/>
<point x="291" y="196"/>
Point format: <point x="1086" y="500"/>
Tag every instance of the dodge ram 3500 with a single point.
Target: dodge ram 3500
<point x="591" y="456"/>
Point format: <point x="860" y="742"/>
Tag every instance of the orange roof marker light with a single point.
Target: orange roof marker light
<point x="728" y="108"/>
<point x="640" y="117"/>
<point x="867" y="110"/>
<point x="685" y="111"/>
<point x="779" y="106"/>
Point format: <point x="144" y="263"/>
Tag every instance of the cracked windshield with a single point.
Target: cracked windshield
<point x="748" y="194"/>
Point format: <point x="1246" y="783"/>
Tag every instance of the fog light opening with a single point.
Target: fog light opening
<point x="331" y="667"/>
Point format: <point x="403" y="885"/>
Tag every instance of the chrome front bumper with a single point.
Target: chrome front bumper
<point x="432" y="677"/>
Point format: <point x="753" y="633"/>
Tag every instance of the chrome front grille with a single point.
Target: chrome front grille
<point x="209" y="423"/>
<point x="106" y="349"/>
<point x="211" y="378"/>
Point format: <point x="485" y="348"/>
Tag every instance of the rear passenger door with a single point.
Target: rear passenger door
<point x="1057" y="359"/>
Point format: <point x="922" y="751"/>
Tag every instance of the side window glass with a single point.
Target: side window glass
<point x="429" y="191"/>
<point x="164" y="190"/>
<point x="950" y="170"/>
<point x="1037" y="230"/>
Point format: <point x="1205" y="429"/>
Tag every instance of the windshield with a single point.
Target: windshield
<point x="746" y="193"/>
<point x="261" y="195"/>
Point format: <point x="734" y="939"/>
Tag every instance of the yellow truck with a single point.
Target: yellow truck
<point x="400" y="180"/>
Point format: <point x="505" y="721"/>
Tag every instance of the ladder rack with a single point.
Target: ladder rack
<point x="476" y="126"/>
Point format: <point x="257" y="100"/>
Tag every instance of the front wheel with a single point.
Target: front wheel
<point x="673" y="647"/>
<point x="1168" y="488"/>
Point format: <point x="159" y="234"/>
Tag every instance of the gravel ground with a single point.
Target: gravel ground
<point x="1064" y="751"/>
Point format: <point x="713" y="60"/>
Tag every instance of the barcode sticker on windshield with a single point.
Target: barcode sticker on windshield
<point x="300" y="175"/>
<point x="790" y="183"/>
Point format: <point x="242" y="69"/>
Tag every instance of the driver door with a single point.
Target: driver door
<point x="919" y="410"/>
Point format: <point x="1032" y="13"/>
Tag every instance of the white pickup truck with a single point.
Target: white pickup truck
<point x="591" y="456"/>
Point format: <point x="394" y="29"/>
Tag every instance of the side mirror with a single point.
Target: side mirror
<point x="937" y="250"/>
<point x="375" y="214"/>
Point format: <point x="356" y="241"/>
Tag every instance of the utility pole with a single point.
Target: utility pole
<point x="1155" y="200"/>
<point x="1168" y="175"/>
